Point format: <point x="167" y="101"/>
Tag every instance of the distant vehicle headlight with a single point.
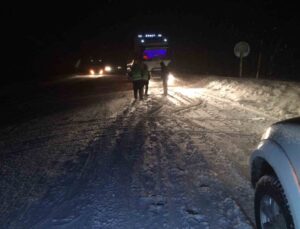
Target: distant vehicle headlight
<point x="108" y="68"/>
<point x="101" y="71"/>
<point x="92" y="72"/>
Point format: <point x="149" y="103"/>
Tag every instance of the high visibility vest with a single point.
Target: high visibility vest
<point x="136" y="72"/>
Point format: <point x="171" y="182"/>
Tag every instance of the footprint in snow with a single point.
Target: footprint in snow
<point x="153" y="138"/>
<point x="204" y="187"/>
<point x="195" y="214"/>
<point x="157" y="206"/>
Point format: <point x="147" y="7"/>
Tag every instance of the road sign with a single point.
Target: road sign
<point x="241" y="50"/>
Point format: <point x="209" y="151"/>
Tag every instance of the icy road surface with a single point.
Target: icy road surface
<point x="166" y="162"/>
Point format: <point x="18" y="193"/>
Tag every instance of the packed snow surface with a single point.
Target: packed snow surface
<point x="179" y="161"/>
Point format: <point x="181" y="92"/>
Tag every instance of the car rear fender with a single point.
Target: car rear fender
<point x="271" y="153"/>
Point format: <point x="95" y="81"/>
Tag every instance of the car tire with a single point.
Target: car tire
<point x="270" y="187"/>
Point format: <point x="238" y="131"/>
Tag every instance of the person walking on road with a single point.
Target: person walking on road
<point x="136" y="75"/>
<point x="146" y="78"/>
<point x="164" y="77"/>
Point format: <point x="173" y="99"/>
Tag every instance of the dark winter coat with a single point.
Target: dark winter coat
<point x="164" y="71"/>
<point x="146" y="73"/>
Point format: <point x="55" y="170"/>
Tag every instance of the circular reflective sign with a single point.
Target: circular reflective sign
<point x="241" y="49"/>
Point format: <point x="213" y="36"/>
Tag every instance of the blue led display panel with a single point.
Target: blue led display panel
<point x="154" y="54"/>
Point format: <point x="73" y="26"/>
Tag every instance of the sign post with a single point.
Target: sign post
<point x="241" y="50"/>
<point x="241" y="66"/>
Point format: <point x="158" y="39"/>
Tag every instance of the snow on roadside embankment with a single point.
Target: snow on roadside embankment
<point x="278" y="99"/>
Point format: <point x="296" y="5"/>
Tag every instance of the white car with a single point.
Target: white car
<point x="275" y="175"/>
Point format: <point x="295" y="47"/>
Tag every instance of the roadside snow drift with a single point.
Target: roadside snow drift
<point x="275" y="98"/>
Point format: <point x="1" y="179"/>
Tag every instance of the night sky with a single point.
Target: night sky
<point x="49" y="37"/>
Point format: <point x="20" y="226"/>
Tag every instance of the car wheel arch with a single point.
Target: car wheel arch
<point x="259" y="168"/>
<point x="270" y="157"/>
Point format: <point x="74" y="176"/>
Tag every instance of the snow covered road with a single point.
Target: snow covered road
<point x="166" y="162"/>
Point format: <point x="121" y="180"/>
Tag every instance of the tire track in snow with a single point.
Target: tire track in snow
<point x="234" y="182"/>
<point x="111" y="184"/>
<point x="168" y="156"/>
<point x="223" y="164"/>
<point x="203" y="145"/>
<point x="83" y="175"/>
<point x="113" y="159"/>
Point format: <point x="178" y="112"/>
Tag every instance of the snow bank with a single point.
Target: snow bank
<point x="276" y="98"/>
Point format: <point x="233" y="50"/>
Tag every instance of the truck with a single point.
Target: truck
<point x="152" y="48"/>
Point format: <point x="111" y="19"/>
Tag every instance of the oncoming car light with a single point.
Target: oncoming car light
<point x="108" y="68"/>
<point x="101" y="71"/>
<point x="92" y="72"/>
